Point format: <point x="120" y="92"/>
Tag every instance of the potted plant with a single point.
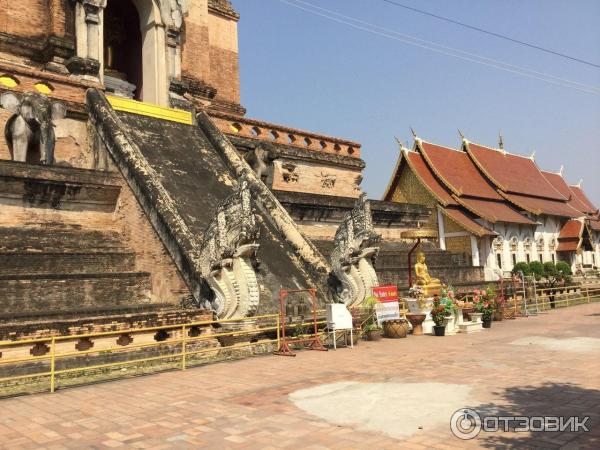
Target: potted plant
<point x="372" y="331"/>
<point x="439" y="312"/>
<point x="447" y="299"/>
<point x="485" y="305"/>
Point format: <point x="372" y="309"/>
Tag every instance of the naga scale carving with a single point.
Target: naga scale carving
<point x="228" y="256"/>
<point x="354" y="253"/>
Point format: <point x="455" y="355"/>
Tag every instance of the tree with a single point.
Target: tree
<point x="537" y="269"/>
<point x="550" y="272"/>
<point x="521" y="267"/>
<point x="564" y="268"/>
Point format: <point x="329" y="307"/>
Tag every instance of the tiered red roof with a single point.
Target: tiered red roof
<point x="569" y="238"/>
<point x="579" y="194"/>
<point x="521" y="182"/>
<point x="484" y="183"/>
<point x="559" y="183"/>
<point x="539" y="206"/>
<point x="494" y="211"/>
<point x="470" y="189"/>
<point x="457" y="171"/>
<point x="467" y="222"/>
<point x="420" y="169"/>
<point x="453" y="180"/>
<point x="512" y="173"/>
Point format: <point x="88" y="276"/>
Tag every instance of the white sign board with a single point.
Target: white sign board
<point x="387" y="311"/>
<point x="338" y="317"/>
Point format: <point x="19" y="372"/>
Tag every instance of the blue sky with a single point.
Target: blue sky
<point x="308" y="72"/>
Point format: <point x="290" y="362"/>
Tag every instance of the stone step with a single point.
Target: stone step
<point x="60" y="239"/>
<point x="44" y="292"/>
<point x="32" y="263"/>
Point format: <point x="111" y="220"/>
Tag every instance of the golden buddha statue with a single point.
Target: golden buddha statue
<point x="431" y="286"/>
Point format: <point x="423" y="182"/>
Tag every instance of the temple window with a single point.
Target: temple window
<point x="553" y="258"/>
<point x="514" y="259"/>
<point x="499" y="260"/>
<point x="528" y="258"/>
<point x="541" y="257"/>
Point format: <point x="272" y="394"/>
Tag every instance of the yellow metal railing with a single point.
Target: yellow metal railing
<point x="179" y="343"/>
<point x="544" y="298"/>
<point x="178" y="346"/>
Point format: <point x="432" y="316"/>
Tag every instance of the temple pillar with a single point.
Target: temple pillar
<point x="441" y="229"/>
<point x="475" y="251"/>
<point x="89" y="39"/>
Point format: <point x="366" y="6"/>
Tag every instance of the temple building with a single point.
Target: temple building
<point x="134" y="188"/>
<point x="497" y="207"/>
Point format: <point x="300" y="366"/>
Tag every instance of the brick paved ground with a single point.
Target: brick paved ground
<point x="245" y="404"/>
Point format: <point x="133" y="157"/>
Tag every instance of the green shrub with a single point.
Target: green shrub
<point x="537" y="269"/>
<point x="521" y="267"/>
<point x="564" y="267"/>
<point x="550" y="270"/>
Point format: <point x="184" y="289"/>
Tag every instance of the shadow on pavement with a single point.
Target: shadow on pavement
<point x="553" y="399"/>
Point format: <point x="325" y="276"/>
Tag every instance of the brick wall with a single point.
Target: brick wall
<point x="195" y="57"/>
<point x="27" y="18"/>
<point x="315" y="178"/>
<point x="223" y="51"/>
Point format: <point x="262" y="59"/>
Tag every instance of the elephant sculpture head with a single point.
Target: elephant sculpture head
<point x="29" y="132"/>
<point x="260" y="160"/>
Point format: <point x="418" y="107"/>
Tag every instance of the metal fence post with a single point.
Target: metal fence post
<point x="183" y="346"/>
<point x="52" y="362"/>
<point x="278" y="331"/>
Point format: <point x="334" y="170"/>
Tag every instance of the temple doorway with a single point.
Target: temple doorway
<point x="123" y="64"/>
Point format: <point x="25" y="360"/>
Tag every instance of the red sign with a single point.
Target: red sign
<point x="386" y="293"/>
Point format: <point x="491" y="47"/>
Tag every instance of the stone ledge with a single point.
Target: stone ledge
<point x="16" y="169"/>
<point x="54" y="187"/>
<point x="383" y="213"/>
<point x="74" y="276"/>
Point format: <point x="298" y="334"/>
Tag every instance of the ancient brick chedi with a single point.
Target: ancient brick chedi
<point x="131" y="182"/>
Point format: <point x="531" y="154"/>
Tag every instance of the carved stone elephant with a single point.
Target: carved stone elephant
<point x="29" y="132"/>
<point x="260" y="160"/>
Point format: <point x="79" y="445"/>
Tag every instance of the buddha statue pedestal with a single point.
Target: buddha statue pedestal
<point x="430" y="286"/>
